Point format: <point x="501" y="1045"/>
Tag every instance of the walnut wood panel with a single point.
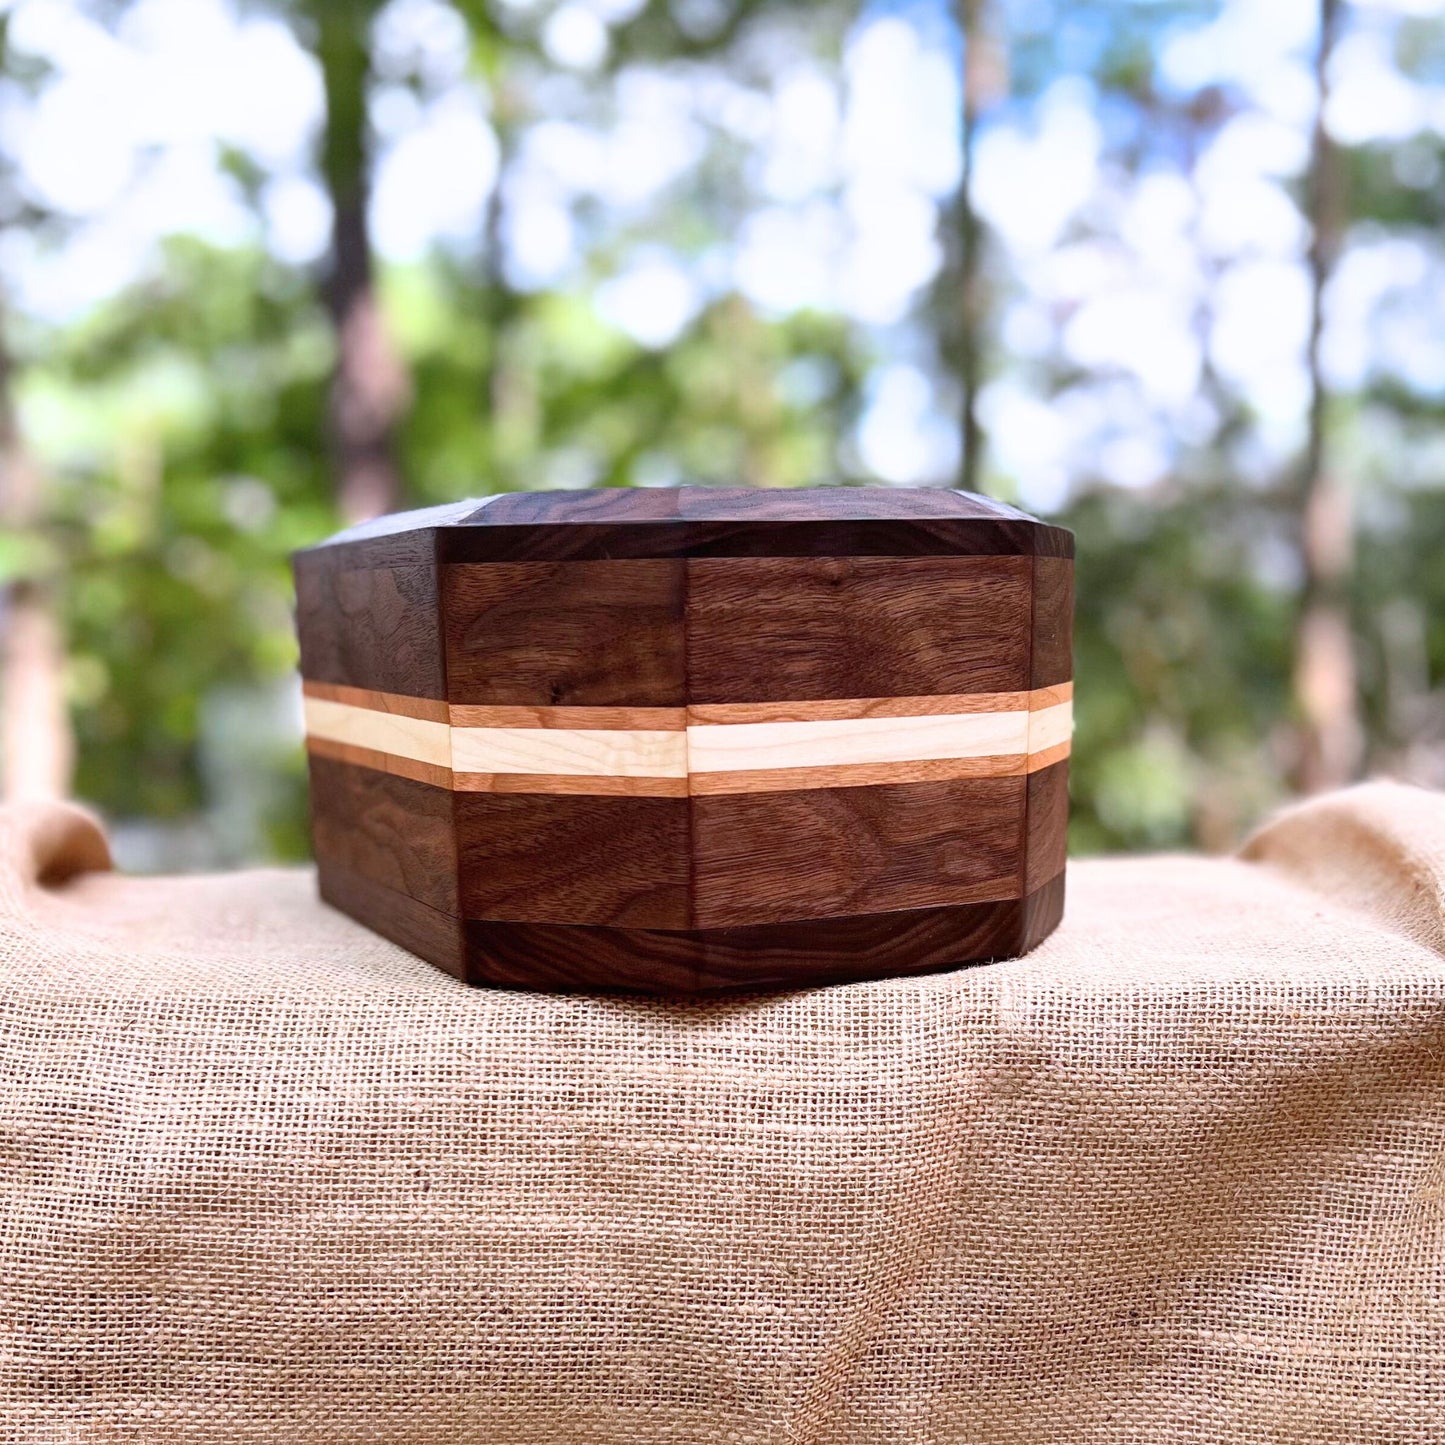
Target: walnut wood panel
<point x="777" y="629"/>
<point x="594" y="634"/>
<point x="771" y="857"/>
<point x="938" y="537"/>
<point x="604" y="860"/>
<point x="374" y="627"/>
<point x="1053" y="625"/>
<point x="738" y="504"/>
<point x="391" y="830"/>
<point x="768" y="956"/>
<point x="425" y="931"/>
<point x="739" y="521"/>
<point x="386" y="542"/>
<point x="1042" y="913"/>
<point x="1047" y="823"/>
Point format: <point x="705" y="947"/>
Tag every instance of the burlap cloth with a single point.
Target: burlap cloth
<point x="1177" y="1176"/>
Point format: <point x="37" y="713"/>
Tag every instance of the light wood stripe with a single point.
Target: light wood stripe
<point x="742" y="746"/>
<point x="420" y="739"/>
<point x="591" y="752"/>
<point x="762" y="747"/>
<point x="1049" y="727"/>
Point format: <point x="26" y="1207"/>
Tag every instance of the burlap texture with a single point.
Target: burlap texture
<point x="1177" y="1176"/>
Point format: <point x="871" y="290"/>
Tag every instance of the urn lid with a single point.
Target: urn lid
<point x="697" y="521"/>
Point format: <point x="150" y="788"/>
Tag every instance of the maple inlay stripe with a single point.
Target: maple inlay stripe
<point x="733" y="748"/>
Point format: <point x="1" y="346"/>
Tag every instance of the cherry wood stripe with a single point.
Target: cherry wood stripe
<point x="675" y="719"/>
<point x="578" y="785"/>
<point x="854" y="775"/>
<point x="392" y="763"/>
<point x="425" y="708"/>
<point x="1037" y="762"/>
<point x="848" y="709"/>
<point x="650" y="719"/>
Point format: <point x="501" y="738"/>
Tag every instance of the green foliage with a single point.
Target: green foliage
<point x="182" y="427"/>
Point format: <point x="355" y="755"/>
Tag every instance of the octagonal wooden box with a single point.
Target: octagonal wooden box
<point x="692" y="739"/>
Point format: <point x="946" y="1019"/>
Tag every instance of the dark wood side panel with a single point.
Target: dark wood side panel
<point x="780" y="629"/>
<point x="599" y="860"/>
<point x="771" y="857"/>
<point x="1053" y="645"/>
<point x="425" y="931"/>
<point x="1048" y="825"/>
<point x="388" y="829"/>
<point x="370" y="627"/>
<point x="1043" y="912"/>
<point x="584" y="634"/>
<point x="771" y="956"/>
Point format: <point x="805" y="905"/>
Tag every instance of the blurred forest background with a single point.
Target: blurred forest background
<point x="1169" y="273"/>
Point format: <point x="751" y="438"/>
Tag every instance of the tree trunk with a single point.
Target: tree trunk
<point x="1330" y="735"/>
<point x="983" y="80"/>
<point x="39" y="746"/>
<point x="369" y="389"/>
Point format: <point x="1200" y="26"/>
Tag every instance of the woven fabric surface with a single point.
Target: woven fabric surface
<point x="1179" y="1175"/>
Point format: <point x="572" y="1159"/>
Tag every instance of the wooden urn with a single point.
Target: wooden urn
<point x="693" y="739"/>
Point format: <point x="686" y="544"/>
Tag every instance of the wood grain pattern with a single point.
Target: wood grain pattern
<point x="573" y="958"/>
<point x="538" y="858"/>
<point x="396" y="733"/>
<point x="833" y="709"/>
<point x="400" y="735"/>
<point x="576" y="752"/>
<point x="739" y="522"/>
<point x="381" y="762"/>
<point x="1052" y="661"/>
<point x="650" y="719"/>
<point x="1047" y="758"/>
<point x="856" y="775"/>
<point x="736" y="747"/>
<point x="425" y="708"/>
<point x="775" y="629"/>
<point x="390" y="830"/>
<point x="428" y="932"/>
<point x="595" y="634"/>
<point x="573" y="784"/>
<point x="373" y="628"/>
<point x="693" y="738"/>
<point x="943" y="537"/>
<point x="763" y="957"/>
<point x="771" y="857"/>
<point x="1046" y="824"/>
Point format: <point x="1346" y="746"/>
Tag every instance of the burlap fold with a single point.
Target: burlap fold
<point x="1177" y="1176"/>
